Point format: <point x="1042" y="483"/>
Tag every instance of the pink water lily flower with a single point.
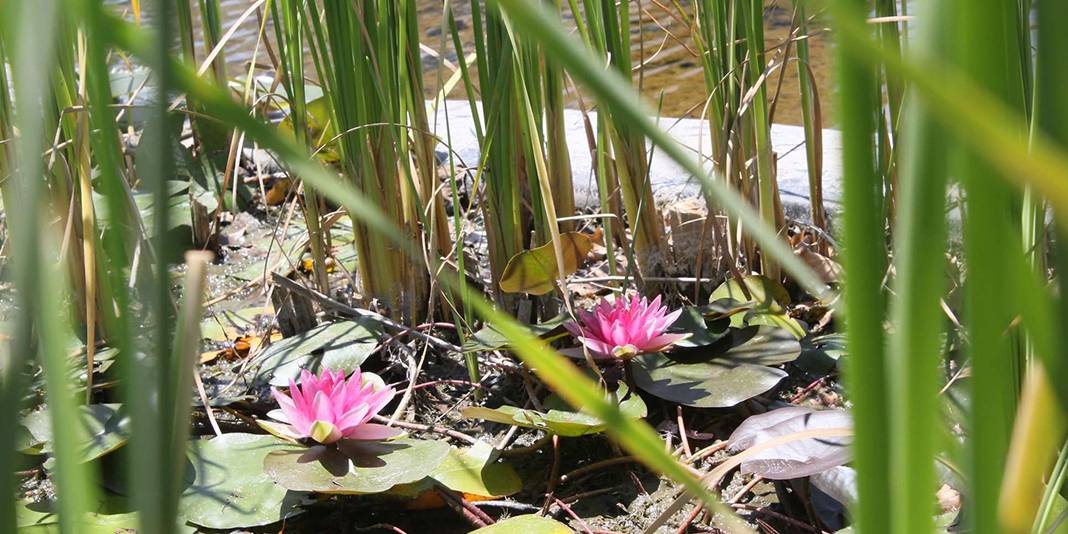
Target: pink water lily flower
<point x="327" y="408"/>
<point x="623" y="329"/>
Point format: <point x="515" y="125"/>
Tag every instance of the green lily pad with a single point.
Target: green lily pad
<point x="721" y="375"/>
<point x="766" y="301"/>
<point x="488" y="338"/>
<point x="230" y="489"/>
<point x="558" y="418"/>
<point x="106" y="430"/>
<point x="527" y="524"/>
<point x="354" y="467"/>
<point x="473" y="471"/>
<point x="41" y="518"/>
<point x="761" y="290"/>
<point x="692" y="321"/>
<point x="341" y="345"/>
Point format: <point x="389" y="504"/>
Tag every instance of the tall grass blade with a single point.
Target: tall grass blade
<point x="612" y="92"/>
<point x="916" y="342"/>
<point x="864" y="259"/>
<point x="31" y="33"/>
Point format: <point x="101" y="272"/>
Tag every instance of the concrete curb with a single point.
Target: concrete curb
<point x="669" y="181"/>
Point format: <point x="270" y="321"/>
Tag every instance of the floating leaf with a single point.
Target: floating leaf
<point x="721" y="375"/>
<point x="41" y="518"/>
<point x="105" y="427"/>
<point x="797" y="458"/>
<point x="534" y="271"/>
<point x="692" y="321"/>
<point x="766" y="299"/>
<point x="753" y="288"/>
<point x="341" y="345"/>
<point x="230" y="489"/>
<point x="473" y="472"/>
<point x="558" y="418"/>
<point x="839" y="483"/>
<point x="320" y="129"/>
<point x="354" y="467"/>
<point x="488" y="338"/>
<point x="527" y="524"/>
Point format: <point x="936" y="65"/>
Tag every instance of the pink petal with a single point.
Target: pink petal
<point x="663" y="341"/>
<point x="597" y="346"/>
<point x="353" y="418"/>
<point x="323" y="409"/>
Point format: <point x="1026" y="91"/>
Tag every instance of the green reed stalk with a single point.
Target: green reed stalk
<point x="39" y="277"/>
<point x="1050" y="118"/>
<point x="608" y="24"/>
<point x="864" y="258"/>
<point x="984" y="51"/>
<point x="559" y="161"/>
<point x="758" y="121"/>
<point x="812" y="119"/>
<point x="290" y="38"/>
<point x="889" y="116"/>
<point x="619" y="98"/>
<point x="149" y="392"/>
<point x="430" y="205"/>
<point x="503" y="153"/>
<point x="729" y="36"/>
<point x="915" y="343"/>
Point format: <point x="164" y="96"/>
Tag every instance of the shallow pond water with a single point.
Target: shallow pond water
<point x="671" y="77"/>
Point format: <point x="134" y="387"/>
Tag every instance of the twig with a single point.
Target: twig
<point x="595" y="466"/>
<point x="697" y="509"/>
<point x="510" y="505"/>
<point x="746" y="489"/>
<point x="570" y="512"/>
<point x="777" y="515"/>
<point x="326" y="301"/>
<point x="472" y="514"/>
<point x="682" y="432"/>
<point x="809" y="389"/>
<point x="204" y="400"/>
<point x="554" y="476"/>
<point x="428" y="428"/>
<point x="448" y="382"/>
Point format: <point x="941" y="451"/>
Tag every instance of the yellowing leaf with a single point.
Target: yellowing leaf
<point x="533" y="271"/>
<point x="320" y="129"/>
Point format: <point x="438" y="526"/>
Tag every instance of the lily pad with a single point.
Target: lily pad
<point x="754" y="288"/>
<point x="354" y="467"/>
<point x="534" y="271"/>
<point x="473" y="471"/>
<point x="797" y="458"/>
<point x="692" y="321"/>
<point x="341" y="345"/>
<point x="527" y="524"/>
<point x="766" y="301"/>
<point x="720" y="375"/>
<point x="488" y="338"/>
<point x="41" y="518"/>
<point x="558" y="418"/>
<point x="105" y="427"/>
<point x="230" y="489"/>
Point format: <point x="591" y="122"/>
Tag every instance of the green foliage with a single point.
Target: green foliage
<point x="721" y="374"/>
<point x="354" y="467"/>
